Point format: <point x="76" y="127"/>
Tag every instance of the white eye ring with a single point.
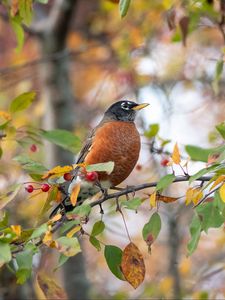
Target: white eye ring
<point x="125" y="106"/>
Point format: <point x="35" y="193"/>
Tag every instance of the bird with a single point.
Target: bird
<point x="115" y="139"/>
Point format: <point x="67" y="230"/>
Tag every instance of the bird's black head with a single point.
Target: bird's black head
<point x="124" y="110"/>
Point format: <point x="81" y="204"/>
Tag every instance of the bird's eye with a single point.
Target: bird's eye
<point x="125" y="106"/>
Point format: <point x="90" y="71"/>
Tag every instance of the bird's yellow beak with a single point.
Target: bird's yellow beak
<point x="140" y="106"/>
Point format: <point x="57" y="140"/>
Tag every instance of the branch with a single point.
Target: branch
<point x="132" y="189"/>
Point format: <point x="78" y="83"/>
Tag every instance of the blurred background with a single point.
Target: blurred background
<point x="80" y="57"/>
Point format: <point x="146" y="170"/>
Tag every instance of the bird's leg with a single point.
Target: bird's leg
<point x="101" y="209"/>
<point x="102" y="189"/>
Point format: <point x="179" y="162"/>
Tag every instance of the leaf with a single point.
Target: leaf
<point x="123" y="7"/>
<point x="222" y="192"/>
<point x="30" y="165"/>
<point x="165" y="181"/>
<point x="132" y="204"/>
<point x="152" y="131"/>
<point x="5" y="253"/>
<point x="62" y="138"/>
<point x="62" y="260"/>
<point x="39" y="231"/>
<point x="95" y="242"/>
<point x="98" y="228"/>
<point x="25" y="10"/>
<point x="221" y="128"/>
<point x="68" y="246"/>
<point x="80" y="211"/>
<point x="5" y="220"/>
<point x="200" y="154"/>
<point x="50" y="288"/>
<point x="101" y="167"/>
<point x="16" y="23"/>
<point x="219" y="180"/>
<point x="75" y="193"/>
<point x="203" y="172"/>
<point x="24" y="262"/>
<point x="132" y="265"/>
<point x="195" y="231"/>
<point x="67" y="226"/>
<point x="210" y="216"/>
<point x="10" y="195"/>
<point x="57" y="171"/>
<point x="193" y="195"/>
<point x="151" y="229"/>
<point x="176" y="155"/>
<point x="48" y="239"/>
<point x="153" y="199"/>
<point x="165" y="199"/>
<point x="73" y="231"/>
<point x="22" y="102"/>
<point x="113" y="256"/>
<point x="52" y="196"/>
<point x="16" y="229"/>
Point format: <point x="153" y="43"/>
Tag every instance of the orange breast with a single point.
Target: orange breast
<point x="119" y="142"/>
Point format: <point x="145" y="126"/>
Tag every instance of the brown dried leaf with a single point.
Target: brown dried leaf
<point x="165" y="199"/>
<point x="50" y="288"/>
<point x="132" y="265"/>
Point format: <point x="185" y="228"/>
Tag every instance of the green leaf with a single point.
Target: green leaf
<point x="4" y="125"/>
<point x="195" y="231"/>
<point x="200" y="154"/>
<point x="152" y="228"/>
<point x="42" y="1"/>
<point x="80" y="211"/>
<point x="5" y="253"/>
<point x="221" y="128"/>
<point x="101" y="167"/>
<point x="95" y="242"/>
<point x="30" y="165"/>
<point x="98" y="228"/>
<point x="210" y="216"/>
<point x="68" y="225"/>
<point x="5" y="220"/>
<point x="203" y="172"/>
<point x="62" y="260"/>
<point x="9" y="195"/>
<point x="24" y="262"/>
<point x="123" y="7"/>
<point x="39" y="231"/>
<point x="165" y="181"/>
<point x="63" y="138"/>
<point x="68" y="246"/>
<point x="113" y="256"/>
<point x="16" y="23"/>
<point x="51" y="197"/>
<point x="152" y="131"/>
<point x="132" y="204"/>
<point x="22" y="102"/>
<point x="25" y="11"/>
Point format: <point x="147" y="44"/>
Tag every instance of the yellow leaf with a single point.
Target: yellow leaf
<point x="220" y="179"/>
<point x="57" y="171"/>
<point x="132" y="265"/>
<point x="165" y="199"/>
<point x="47" y="239"/>
<point x="176" y="155"/>
<point x="166" y="286"/>
<point x="222" y="192"/>
<point x="153" y="200"/>
<point x="55" y="218"/>
<point x="73" y="231"/>
<point x="193" y="195"/>
<point x="74" y="194"/>
<point x="16" y="229"/>
<point x="5" y="115"/>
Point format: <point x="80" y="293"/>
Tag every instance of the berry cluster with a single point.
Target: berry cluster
<point x="44" y="187"/>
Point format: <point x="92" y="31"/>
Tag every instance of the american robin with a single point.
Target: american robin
<point x="114" y="139"/>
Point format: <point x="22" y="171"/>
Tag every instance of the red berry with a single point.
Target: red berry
<point x="91" y="176"/>
<point x="29" y="188"/>
<point x="33" y="148"/>
<point x="164" y="162"/>
<point x="45" y="187"/>
<point x="67" y="176"/>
